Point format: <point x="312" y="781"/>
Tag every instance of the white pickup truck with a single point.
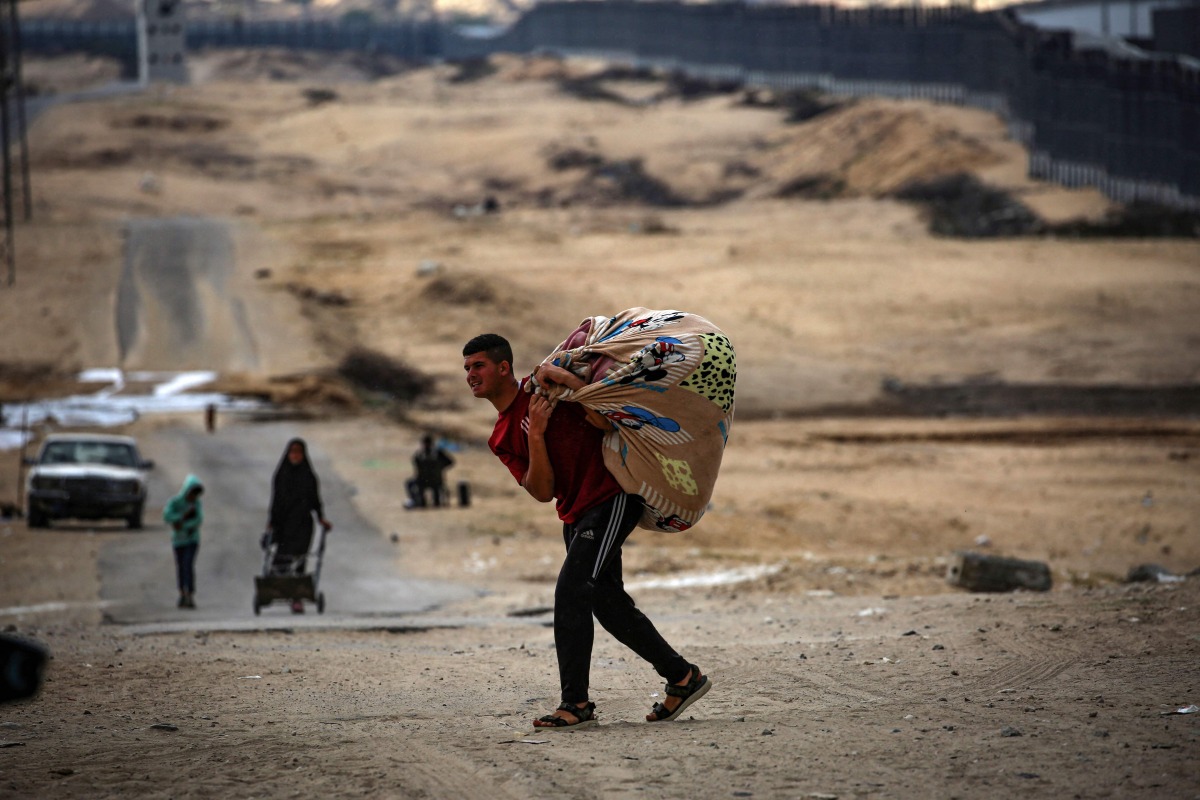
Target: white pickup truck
<point x="86" y="476"/>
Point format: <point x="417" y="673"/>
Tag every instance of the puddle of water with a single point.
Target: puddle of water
<point x="122" y="397"/>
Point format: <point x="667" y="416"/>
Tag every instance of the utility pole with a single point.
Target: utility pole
<point x="18" y="50"/>
<point x="6" y="84"/>
<point x="12" y="89"/>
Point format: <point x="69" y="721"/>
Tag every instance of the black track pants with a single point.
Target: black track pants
<point x="590" y="583"/>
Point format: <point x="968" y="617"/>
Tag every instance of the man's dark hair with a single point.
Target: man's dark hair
<point x="493" y="345"/>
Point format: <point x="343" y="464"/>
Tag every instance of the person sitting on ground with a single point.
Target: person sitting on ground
<point x="430" y="464"/>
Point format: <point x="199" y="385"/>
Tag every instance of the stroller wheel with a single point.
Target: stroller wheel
<point x="320" y="602"/>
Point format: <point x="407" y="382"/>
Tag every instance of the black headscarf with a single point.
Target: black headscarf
<point x="294" y="491"/>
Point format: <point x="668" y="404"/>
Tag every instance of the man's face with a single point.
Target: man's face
<point x="484" y="376"/>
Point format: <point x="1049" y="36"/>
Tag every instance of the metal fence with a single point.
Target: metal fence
<point x="113" y="38"/>
<point x="1091" y="111"/>
<point x="416" y="40"/>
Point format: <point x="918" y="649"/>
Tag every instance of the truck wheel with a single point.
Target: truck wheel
<point x="36" y="519"/>
<point x="134" y="520"/>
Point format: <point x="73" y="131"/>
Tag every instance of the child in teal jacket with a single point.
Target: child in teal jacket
<point x="184" y="514"/>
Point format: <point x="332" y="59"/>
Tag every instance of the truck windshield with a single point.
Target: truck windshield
<point x="116" y="455"/>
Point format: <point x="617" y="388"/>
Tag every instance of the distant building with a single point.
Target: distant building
<point x="160" y="28"/>
<point x="1125" y="19"/>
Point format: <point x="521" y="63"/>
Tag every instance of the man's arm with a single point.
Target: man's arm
<point x="539" y="479"/>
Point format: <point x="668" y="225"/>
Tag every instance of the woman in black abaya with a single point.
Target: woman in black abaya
<point x="295" y="501"/>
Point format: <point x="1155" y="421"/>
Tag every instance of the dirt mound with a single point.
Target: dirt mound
<point x="832" y="147"/>
<point x="445" y="291"/>
<point x="469" y="70"/>
<point x="629" y="86"/>
<point x="383" y="374"/>
<point x="67" y="73"/>
<point x="1138" y="221"/>
<point x="458" y="293"/>
<point x="960" y="205"/>
<point x="611" y="183"/>
<point x="872" y="148"/>
<point x="274" y="64"/>
<point x="642" y="86"/>
<point x="19" y="382"/>
<point x="176" y="123"/>
<point x="213" y="161"/>
<point x="162" y="142"/>
<point x="298" y="392"/>
<point x="533" y="68"/>
<point x="801" y="104"/>
<point x="868" y="148"/>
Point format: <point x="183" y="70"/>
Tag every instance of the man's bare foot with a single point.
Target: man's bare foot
<point x="568" y="715"/>
<point x="680" y="695"/>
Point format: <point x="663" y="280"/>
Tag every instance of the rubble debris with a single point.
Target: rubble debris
<point x="982" y="573"/>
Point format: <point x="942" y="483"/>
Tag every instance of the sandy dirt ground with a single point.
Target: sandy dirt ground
<point x="844" y="664"/>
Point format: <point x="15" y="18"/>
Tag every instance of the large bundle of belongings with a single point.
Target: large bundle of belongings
<point x="665" y="380"/>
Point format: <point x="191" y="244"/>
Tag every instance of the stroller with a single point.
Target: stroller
<point x="287" y="581"/>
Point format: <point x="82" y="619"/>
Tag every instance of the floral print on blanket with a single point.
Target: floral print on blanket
<point x="665" y="380"/>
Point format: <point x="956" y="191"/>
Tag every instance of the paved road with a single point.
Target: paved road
<point x="177" y="308"/>
<point x="362" y="574"/>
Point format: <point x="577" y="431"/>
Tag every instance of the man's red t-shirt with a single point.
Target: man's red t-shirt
<point x="581" y="481"/>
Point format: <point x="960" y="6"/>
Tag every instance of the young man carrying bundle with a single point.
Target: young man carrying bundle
<point x="554" y="452"/>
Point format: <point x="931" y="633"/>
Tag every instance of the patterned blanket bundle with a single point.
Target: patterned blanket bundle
<point x="665" y="380"/>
